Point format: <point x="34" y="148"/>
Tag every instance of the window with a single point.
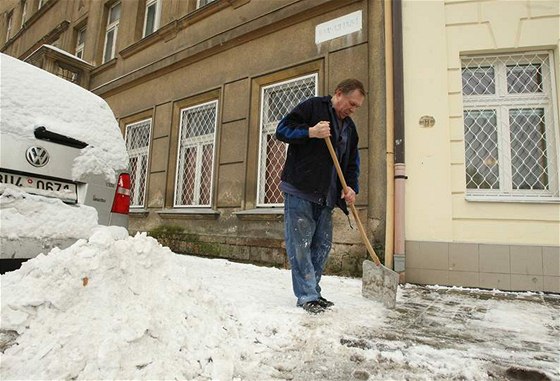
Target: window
<point x="202" y="3"/>
<point x="151" y="19"/>
<point x="23" y="12"/>
<point x="276" y="101"/>
<point x="80" y="39"/>
<point x="195" y="163"/>
<point x="9" y="23"/>
<point x="509" y="115"/>
<point x="113" y="18"/>
<point x="137" y="138"/>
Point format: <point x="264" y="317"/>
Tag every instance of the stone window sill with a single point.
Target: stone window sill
<point x="261" y="214"/>
<point x="189" y="213"/>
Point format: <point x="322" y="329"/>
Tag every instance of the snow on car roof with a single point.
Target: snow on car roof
<point x="32" y="97"/>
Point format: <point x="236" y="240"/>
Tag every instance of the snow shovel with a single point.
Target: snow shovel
<point x="378" y="282"/>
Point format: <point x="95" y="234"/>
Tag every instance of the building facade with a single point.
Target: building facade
<point x="481" y="99"/>
<point x="198" y="88"/>
<point x="199" y="85"/>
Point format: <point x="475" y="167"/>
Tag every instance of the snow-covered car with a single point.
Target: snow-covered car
<point x="63" y="162"/>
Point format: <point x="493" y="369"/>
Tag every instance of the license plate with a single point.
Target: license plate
<point x="63" y="190"/>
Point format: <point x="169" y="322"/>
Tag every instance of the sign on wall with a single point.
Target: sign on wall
<point x="338" y="27"/>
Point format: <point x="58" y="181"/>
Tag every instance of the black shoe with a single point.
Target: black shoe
<point x="313" y="307"/>
<point x="325" y="303"/>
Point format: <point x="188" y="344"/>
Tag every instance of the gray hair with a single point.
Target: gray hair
<point x="350" y="84"/>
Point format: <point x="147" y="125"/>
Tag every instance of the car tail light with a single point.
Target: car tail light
<point x="121" y="202"/>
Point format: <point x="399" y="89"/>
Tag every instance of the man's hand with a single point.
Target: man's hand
<point x="320" y="130"/>
<point x="349" y="196"/>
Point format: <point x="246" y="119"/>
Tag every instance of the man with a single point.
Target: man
<point x="310" y="183"/>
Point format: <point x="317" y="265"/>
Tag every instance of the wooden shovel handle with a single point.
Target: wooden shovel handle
<point x="352" y="207"/>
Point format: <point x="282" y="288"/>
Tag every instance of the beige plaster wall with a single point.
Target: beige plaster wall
<point x="449" y="240"/>
<point x="436" y="33"/>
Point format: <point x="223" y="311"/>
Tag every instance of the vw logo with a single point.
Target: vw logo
<point x="37" y="156"/>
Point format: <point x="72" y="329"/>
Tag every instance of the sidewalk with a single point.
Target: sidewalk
<point x="119" y="307"/>
<point x="513" y="336"/>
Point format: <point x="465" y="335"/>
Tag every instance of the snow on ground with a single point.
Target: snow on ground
<point x="121" y="307"/>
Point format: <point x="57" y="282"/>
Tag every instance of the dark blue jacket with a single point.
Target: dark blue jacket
<point x="308" y="165"/>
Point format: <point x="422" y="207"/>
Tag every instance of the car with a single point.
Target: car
<point x="63" y="163"/>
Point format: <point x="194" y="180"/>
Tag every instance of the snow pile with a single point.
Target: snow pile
<point x="113" y="307"/>
<point x="121" y="307"/>
<point x="26" y="215"/>
<point x="32" y="97"/>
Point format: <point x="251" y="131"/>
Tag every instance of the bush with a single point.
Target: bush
<point x="167" y="232"/>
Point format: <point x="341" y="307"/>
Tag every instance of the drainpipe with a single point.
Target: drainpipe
<point x="389" y="121"/>
<point x="400" y="169"/>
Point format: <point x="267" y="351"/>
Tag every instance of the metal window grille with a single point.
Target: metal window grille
<point x="510" y="113"/>
<point x="276" y="101"/>
<point x="137" y="138"/>
<point x="195" y="163"/>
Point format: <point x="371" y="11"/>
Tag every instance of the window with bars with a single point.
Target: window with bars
<point x="195" y="162"/>
<point x="113" y="18"/>
<point x="510" y="126"/>
<point x="137" y="137"/>
<point x="276" y="101"/>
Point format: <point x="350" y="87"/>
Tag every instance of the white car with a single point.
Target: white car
<point x="63" y="163"/>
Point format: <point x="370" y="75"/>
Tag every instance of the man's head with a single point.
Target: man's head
<point x="348" y="97"/>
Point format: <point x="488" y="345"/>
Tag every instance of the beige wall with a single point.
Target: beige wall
<point x="450" y="240"/>
<point x="228" y="56"/>
<point x="225" y="51"/>
<point x="436" y="33"/>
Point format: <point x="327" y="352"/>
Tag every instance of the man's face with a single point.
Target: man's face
<point x="346" y="104"/>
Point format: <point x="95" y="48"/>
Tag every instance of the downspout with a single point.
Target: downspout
<point x="399" y="138"/>
<point x="389" y="123"/>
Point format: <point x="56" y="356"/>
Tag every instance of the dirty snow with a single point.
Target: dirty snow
<point x="121" y="307"/>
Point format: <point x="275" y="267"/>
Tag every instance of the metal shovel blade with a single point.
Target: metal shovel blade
<point x="380" y="284"/>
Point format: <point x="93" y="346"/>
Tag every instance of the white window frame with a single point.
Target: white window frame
<point x="157" y="15"/>
<point x="23" y="12"/>
<point x="501" y="102"/>
<point x="203" y="3"/>
<point x="9" y="25"/>
<point x="139" y="153"/>
<point x="270" y="129"/>
<point x="111" y="27"/>
<point x="199" y="142"/>
<point x="80" y="45"/>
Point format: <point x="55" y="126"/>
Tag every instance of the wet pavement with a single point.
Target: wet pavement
<point x="505" y="336"/>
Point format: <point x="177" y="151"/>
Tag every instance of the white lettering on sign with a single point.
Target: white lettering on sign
<point x="338" y="27"/>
